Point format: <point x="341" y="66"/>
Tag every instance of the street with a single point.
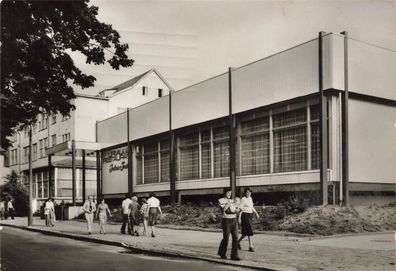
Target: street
<point x="24" y="250"/>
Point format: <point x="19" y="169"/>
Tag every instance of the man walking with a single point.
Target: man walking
<point x="229" y="225"/>
<point x="89" y="209"/>
<point x="125" y="213"/>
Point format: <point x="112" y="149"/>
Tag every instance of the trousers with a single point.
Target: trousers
<point x="89" y="217"/>
<point x="230" y="227"/>
<point x="125" y="222"/>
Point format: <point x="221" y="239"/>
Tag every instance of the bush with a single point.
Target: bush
<point x="13" y="190"/>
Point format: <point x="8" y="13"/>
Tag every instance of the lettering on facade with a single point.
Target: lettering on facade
<point x="117" y="159"/>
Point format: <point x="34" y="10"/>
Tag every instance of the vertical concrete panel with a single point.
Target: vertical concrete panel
<point x="372" y="142"/>
<point x="113" y="130"/>
<point x="283" y="76"/>
<point x="372" y="70"/>
<point x="149" y="119"/>
<point x="201" y="102"/>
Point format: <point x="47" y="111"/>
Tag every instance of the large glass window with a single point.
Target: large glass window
<point x="315" y="137"/>
<point x="290" y="141"/>
<point x="139" y="165"/>
<point x="189" y="157"/>
<point x="64" y="183"/>
<point x="151" y="163"/>
<point x="205" y="154"/>
<point x="221" y="152"/>
<point x="255" y="146"/>
<point x="165" y="162"/>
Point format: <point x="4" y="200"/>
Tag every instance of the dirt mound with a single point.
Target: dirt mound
<point x="285" y="217"/>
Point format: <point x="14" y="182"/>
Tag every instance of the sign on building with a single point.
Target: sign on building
<point x="115" y="170"/>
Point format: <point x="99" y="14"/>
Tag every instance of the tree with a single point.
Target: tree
<point x="16" y="191"/>
<point x="37" y="71"/>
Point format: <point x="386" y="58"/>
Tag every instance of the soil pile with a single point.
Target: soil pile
<point x="327" y="220"/>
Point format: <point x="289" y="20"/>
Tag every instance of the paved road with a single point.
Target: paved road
<point x="23" y="250"/>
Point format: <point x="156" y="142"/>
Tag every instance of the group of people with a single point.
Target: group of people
<point x="236" y="211"/>
<point x="133" y="214"/>
<point x="6" y="209"/>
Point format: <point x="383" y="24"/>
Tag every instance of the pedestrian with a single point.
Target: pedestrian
<point x="125" y="213"/>
<point x="89" y="209"/>
<point x="134" y="216"/>
<point x="2" y="209"/>
<point x="102" y="211"/>
<point x="10" y="208"/>
<point x="229" y="225"/>
<point x="154" y="208"/>
<point x="144" y="214"/>
<point x="247" y="210"/>
<point x="48" y="212"/>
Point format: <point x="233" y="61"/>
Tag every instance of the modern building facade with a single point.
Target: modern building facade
<point x="317" y="118"/>
<point x="52" y="136"/>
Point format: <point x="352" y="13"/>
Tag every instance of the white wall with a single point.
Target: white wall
<point x="151" y="118"/>
<point x="372" y="142"/>
<point x="88" y="111"/>
<point x="113" y="130"/>
<point x="133" y="97"/>
<point x="283" y="76"/>
<point x="372" y="70"/>
<point x="201" y="102"/>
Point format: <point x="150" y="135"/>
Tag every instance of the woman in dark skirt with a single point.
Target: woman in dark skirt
<point x="154" y="209"/>
<point x="247" y="210"/>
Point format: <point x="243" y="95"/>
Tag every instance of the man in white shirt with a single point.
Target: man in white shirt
<point x="89" y="209"/>
<point x="125" y="213"/>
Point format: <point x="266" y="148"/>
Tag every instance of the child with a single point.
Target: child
<point x="144" y="214"/>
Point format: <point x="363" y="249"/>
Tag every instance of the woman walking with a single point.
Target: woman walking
<point x="102" y="211"/>
<point x="144" y="213"/>
<point x="49" y="213"/>
<point x="247" y="210"/>
<point x="154" y="207"/>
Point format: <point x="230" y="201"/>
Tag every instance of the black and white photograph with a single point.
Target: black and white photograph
<point x="198" y="135"/>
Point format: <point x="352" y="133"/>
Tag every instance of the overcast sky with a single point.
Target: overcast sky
<point x="219" y="34"/>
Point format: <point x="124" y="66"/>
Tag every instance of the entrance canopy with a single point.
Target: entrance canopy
<point x="75" y="149"/>
<point x="65" y="148"/>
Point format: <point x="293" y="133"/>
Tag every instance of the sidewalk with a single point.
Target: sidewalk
<point x="273" y="252"/>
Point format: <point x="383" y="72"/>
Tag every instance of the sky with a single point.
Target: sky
<point x="190" y="41"/>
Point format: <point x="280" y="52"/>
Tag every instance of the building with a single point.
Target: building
<point x="53" y="136"/>
<point x="317" y="119"/>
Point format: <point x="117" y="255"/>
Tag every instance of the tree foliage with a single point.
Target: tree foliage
<point x="13" y="190"/>
<point x="37" y="71"/>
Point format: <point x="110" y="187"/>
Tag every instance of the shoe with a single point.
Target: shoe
<point x="89" y="233"/>
<point x="152" y="235"/>
<point x="223" y="256"/>
<point x="136" y="233"/>
<point x="235" y="258"/>
<point x="239" y="246"/>
<point x="123" y="232"/>
<point x="251" y="249"/>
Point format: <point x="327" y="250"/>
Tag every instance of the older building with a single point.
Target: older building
<point x="53" y="136"/>
<point x="317" y="119"/>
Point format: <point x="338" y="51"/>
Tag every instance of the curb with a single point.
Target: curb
<point x="151" y="252"/>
